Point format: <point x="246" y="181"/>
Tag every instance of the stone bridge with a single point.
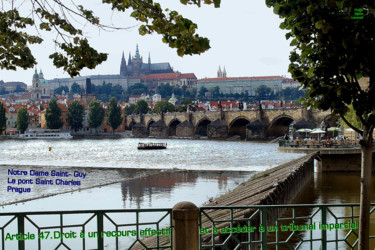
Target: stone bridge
<point x="248" y="124"/>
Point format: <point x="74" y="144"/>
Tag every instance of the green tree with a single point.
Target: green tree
<point x="60" y="89"/>
<point x="263" y="92"/>
<point x="177" y="91"/>
<point x="141" y="107"/>
<point x="332" y="51"/>
<point x="202" y="91"/>
<point x="165" y="90"/>
<point x="137" y="89"/>
<point x="114" y="114"/>
<point x="53" y="114"/>
<point x="76" y="112"/>
<point x="3" y="119"/>
<point x="130" y="109"/>
<point x="3" y="91"/>
<point x="96" y="114"/>
<point x="164" y="106"/>
<point x="185" y="103"/>
<point x="68" y="21"/>
<point x="75" y="88"/>
<point x="352" y="118"/>
<point x="216" y="92"/>
<point x="22" y="121"/>
<point x="19" y="89"/>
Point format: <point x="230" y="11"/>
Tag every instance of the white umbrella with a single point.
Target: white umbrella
<point x="304" y="130"/>
<point x="333" y="129"/>
<point x="318" y="131"/>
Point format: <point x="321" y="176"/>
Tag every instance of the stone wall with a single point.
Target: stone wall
<point x="217" y="130"/>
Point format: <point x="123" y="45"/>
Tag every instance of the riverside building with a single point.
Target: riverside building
<point x="233" y="85"/>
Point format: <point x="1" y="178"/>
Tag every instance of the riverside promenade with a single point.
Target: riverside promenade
<point x="342" y="158"/>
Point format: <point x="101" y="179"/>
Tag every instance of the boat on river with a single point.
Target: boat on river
<point x="45" y="134"/>
<point x="151" y="145"/>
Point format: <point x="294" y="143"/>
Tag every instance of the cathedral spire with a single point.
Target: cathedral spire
<point x="137" y="56"/>
<point x="224" y="73"/>
<point x="123" y="65"/>
<point x="130" y="59"/>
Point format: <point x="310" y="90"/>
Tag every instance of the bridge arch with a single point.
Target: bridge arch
<point x="150" y="122"/>
<point x="172" y="126"/>
<point x="201" y="128"/>
<point x="131" y="124"/>
<point x="331" y="120"/>
<point x="279" y="126"/>
<point x="238" y="126"/>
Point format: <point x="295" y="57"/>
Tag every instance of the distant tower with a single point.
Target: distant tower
<point x="219" y="73"/>
<point x="137" y="56"/>
<point x="224" y="73"/>
<point x="35" y="79"/>
<point x="88" y="96"/>
<point x="137" y="62"/>
<point x="123" y="70"/>
<point x="40" y="87"/>
<point x="130" y="59"/>
<point x="149" y="63"/>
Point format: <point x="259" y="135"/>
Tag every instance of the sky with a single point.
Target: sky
<point x="245" y="38"/>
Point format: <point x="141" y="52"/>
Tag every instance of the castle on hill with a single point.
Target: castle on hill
<point x="136" y="67"/>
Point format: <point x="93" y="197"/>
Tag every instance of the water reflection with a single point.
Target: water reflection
<point x="334" y="188"/>
<point x="149" y="190"/>
<point x="145" y="190"/>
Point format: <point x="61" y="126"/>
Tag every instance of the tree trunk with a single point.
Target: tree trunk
<point x="366" y="165"/>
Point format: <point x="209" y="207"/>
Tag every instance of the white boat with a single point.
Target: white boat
<point x="45" y="134"/>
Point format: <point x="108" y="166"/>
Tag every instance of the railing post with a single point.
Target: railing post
<point x="21" y="230"/>
<point x="99" y="217"/>
<point x="185" y="226"/>
<point x="263" y="222"/>
<point x="324" y="232"/>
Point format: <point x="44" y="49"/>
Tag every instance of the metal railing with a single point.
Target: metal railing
<point x="281" y="227"/>
<point x="319" y="144"/>
<point x="93" y="229"/>
<point x="331" y="226"/>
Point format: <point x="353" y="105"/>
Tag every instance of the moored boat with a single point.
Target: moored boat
<point x="45" y="134"/>
<point x="151" y="145"/>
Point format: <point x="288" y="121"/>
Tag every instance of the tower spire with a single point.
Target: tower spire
<point x="219" y="73"/>
<point x="123" y="65"/>
<point x="137" y="52"/>
<point x="130" y="59"/>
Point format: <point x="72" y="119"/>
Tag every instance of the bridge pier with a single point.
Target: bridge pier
<point x="139" y="130"/>
<point x="185" y="129"/>
<point x="159" y="129"/>
<point x="256" y="130"/>
<point x="217" y="129"/>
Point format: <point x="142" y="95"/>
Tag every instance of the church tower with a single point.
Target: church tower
<point x="36" y="91"/>
<point x="130" y="60"/>
<point x="149" y="64"/>
<point x="123" y="70"/>
<point x="219" y="73"/>
<point x="137" y="62"/>
<point x="224" y="73"/>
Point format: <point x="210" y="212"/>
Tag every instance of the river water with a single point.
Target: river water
<point x="132" y="177"/>
<point x="113" y="174"/>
